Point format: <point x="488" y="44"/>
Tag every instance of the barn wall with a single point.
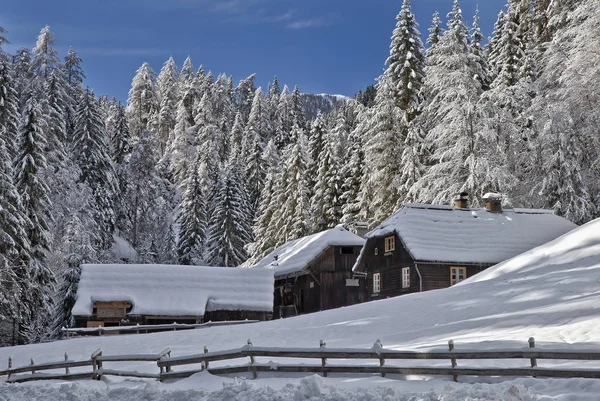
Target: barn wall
<point x="321" y="286"/>
<point x="225" y="315"/>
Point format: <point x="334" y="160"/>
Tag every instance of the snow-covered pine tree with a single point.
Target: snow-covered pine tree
<point x="37" y="286"/>
<point x="265" y="236"/>
<point x="406" y="63"/>
<point x="292" y="219"/>
<point x="21" y="64"/>
<point x="236" y="136"/>
<point x="479" y="53"/>
<point x="78" y="241"/>
<point x="143" y="103"/>
<point x="297" y="110"/>
<point x="413" y="163"/>
<point x="564" y="114"/>
<point x="187" y="73"/>
<point x="253" y="147"/>
<point x="494" y="50"/>
<point x="244" y="96"/>
<point x="465" y="157"/>
<point x="352" y="173"/>
<point x="48" y="84"/>
<point x="283" y="121"/>
<point x="9" y="99"/>
<point x="14" y="244"/>
<point x="510" y="49"/>
<point x="229" y="229"/>
<point x="192" y="215"/>
<point x="141" y="197"/>
<point x="316" y="143"/>
<point x="223" y="107"/>
<point x="563" y="188"/>
<point x="435" y="30"/>
<point x="383" y="145"/>
<point x="74" y="75"/>
<point x="119" y="136"/>
<point x="91" y="147"/>
<point x="166" y="88"/>
<point x="326" y="205"/>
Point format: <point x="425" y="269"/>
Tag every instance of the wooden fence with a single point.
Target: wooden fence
<point x="146" y="328"/>
<point x="346" y="362"/>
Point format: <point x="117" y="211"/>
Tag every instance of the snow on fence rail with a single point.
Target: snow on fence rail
<point x="145" y="328"/>
<point x="381" y="357"/>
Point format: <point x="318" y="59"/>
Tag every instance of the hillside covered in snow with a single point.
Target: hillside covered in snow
<point x="551" y="292"/>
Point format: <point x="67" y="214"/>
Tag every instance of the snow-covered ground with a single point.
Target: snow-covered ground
<point x="551" y="293"/>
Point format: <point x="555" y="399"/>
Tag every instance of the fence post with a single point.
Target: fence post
<point x="32" y="364"/>
<point x="379" y="346"/>
<point x="96" y="364"/>
<point x="9" y="365"/>
<point x="322" y="346"/>
<point x="252" y="368"/>
<point x="205" y="362"/>
<point x="532" y="345"/>
<point x="452" y="360"/>
<point x="66" y="367"/>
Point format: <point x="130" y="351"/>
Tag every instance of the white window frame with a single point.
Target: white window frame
<point x="455" y="274"/>
<point x="405" y="277"/>
<point x="390" y="243"/>
<point x="376" y="283"/>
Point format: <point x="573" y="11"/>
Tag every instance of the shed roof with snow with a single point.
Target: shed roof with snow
<point x="169" y="290"/>
<point x="294" y="256"/>
<point x="439" y="233"/>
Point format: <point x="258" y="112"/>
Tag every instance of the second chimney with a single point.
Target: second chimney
<point x="493" y="202"/>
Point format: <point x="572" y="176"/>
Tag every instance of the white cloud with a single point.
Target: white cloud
<point x="308" y="23"/>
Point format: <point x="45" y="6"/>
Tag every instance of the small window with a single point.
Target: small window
<point x="390" y="243"/>
<point x="406" y="277"/>
<point x="376" y="251"/>
<point x="347" y="250"/>
<point x="457" y="274"/>
<point x="377" y="282"/>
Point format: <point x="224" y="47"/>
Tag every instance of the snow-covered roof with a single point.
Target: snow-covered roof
<point x="169" y="290"/>
<point x="446" y="234"/>
<point x="294" y="256"/>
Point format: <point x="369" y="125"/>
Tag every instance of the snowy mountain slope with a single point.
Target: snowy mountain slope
<point x="551" y="293"/>
<point x="313" y="103"/>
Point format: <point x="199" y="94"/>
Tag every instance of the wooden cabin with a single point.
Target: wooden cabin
<point x="428" y="247"/>
<point x="125" y="295"/>
<point x="314" y="273"/>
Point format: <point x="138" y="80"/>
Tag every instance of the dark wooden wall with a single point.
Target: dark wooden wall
<point x="225" y="315"/>
<point x="389" y="265"/>
<point x="322" y="287"/>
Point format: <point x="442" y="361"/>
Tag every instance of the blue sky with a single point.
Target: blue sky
<point x="324" y="46"/>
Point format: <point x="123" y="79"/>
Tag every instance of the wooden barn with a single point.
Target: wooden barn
<point x="314" y="273"/>
<point x="125" y="295"/>
<point x="428" y="247"/>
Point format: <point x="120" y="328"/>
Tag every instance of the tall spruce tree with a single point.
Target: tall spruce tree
<point x="37" y="284"/>
<point x="229" y="228"/>
<point x="142" y="104"/>
<point x="91" y="147"/>
<point x="192" y="215"/>
<point x="406" y="63"/>
<point x="167" y="107"/>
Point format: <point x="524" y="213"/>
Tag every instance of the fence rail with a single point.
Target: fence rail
<point x="348" y="362"/>
<point x="145" y="328"/>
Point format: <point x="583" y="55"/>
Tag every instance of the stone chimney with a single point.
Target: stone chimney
<point x="461" y="200"/>
<point x="493" y="202"/>
<point x="359" y="228"/>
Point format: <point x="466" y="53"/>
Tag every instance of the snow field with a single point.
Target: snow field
<point x="551" y="293"/>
